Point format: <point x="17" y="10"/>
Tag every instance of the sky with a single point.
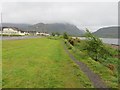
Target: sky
<point x="91" y="15"/>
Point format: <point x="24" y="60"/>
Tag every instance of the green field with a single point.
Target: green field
<point x="39" y="63"/>
<point x="0" y="64"/>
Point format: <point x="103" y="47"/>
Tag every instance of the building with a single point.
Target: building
<point x="12" y="31"/>
<point x="42" y="34"/>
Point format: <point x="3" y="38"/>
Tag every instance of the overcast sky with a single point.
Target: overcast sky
<point x="91" y="15"/>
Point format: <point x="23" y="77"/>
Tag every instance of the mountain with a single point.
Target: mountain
<point x="19" y="25"/>
<point x="108" y="32"/>
<point x="56" y="27"/>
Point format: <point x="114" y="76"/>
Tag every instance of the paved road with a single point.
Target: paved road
<point x="17" y="38"/>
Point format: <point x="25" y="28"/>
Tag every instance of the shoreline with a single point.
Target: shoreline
<point x="114" y="46"/>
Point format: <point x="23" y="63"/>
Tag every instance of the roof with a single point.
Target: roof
<point x="12" y="28"/>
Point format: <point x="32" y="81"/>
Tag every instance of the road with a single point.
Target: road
<point x="17" y="37"/>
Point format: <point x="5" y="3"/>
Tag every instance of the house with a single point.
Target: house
<point x="42" y="34"/>
<point x="12" y="31"/>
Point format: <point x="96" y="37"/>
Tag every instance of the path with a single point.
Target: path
<point x="94" y="78"/>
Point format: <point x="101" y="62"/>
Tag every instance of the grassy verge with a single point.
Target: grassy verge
<point x="11" y="35"/>
<point x="110" y="77"/>
<point x="0" y="63"/>
<point x="39" y="63"/>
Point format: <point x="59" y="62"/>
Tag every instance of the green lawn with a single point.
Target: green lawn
<point x="39" y="63"/>
<point x="0" y="64"/>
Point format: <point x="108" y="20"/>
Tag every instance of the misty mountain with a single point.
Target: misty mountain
<point x="108" y="32"/>
<point x="49" y="28"/>
<point x="56" y="27"/>
<point x="19" y="26"/>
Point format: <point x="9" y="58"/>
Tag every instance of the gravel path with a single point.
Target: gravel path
<point x="94" y="78"/>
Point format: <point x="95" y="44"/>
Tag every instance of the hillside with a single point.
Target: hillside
<point x="20" y="25"/>
<point x="107" y="32"/>
<point x="56" y="27"/>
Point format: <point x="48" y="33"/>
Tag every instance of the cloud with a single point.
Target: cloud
<point x="82" y="14"/>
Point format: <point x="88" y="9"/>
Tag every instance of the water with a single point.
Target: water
<point x="108" y="40"/>
<point x="111" y="40"/>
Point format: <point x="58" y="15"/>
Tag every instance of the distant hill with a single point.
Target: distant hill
<point x="20" y="26"/>
<point x="54" y="27"/>
<point x="57" y="27"/>
<point x="108" y="32"/>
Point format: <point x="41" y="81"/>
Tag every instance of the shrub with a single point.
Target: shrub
<point x="111" y="67"/>
<point x="71" y="41"/>
<point x="69" y="46"/>
<point x="95" y="47"/>
<point x="58" y="34"/>
<point x="53" y="34"/>
<point x="77" y="40"/>
<point x="65" y="36"/>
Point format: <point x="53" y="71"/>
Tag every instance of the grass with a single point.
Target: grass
<point x="0" y="64"/>
<point x="10" y="35"/>
<point x="110" y="77"/>
<point x="39" y="63"/>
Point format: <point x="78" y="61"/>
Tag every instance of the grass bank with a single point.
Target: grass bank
<point x="110" y="77"/>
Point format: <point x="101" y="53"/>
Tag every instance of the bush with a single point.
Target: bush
<point x="54" y="38"/>
<point x="58" y="34"/>
<point x="68" y="44"/>
<point x="65" y="36"/>
<point x="111" y="67"/>
<point x="77" y="40"/>
<point x="53" y="34"/>
<point x="95" y="47"/>
<point x="71" y="41"/>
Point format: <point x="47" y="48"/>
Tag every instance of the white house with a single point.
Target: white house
<point x="12" y="31"/>
<point x="42" y="34"/>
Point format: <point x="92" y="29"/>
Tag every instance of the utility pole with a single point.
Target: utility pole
<point x="1" y="53"/>
<point x="1" y="25"/>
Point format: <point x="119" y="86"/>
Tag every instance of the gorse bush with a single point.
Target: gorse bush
<point x="73" y="41"/>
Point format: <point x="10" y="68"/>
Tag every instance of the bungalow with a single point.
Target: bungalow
<point x="12" y="31"/>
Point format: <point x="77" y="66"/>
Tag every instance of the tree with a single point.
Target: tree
<point x="53" y="34"/>
<point x="58" y="34"/>
<point x="95" y="47"/>
<point x="65" y="35"/>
